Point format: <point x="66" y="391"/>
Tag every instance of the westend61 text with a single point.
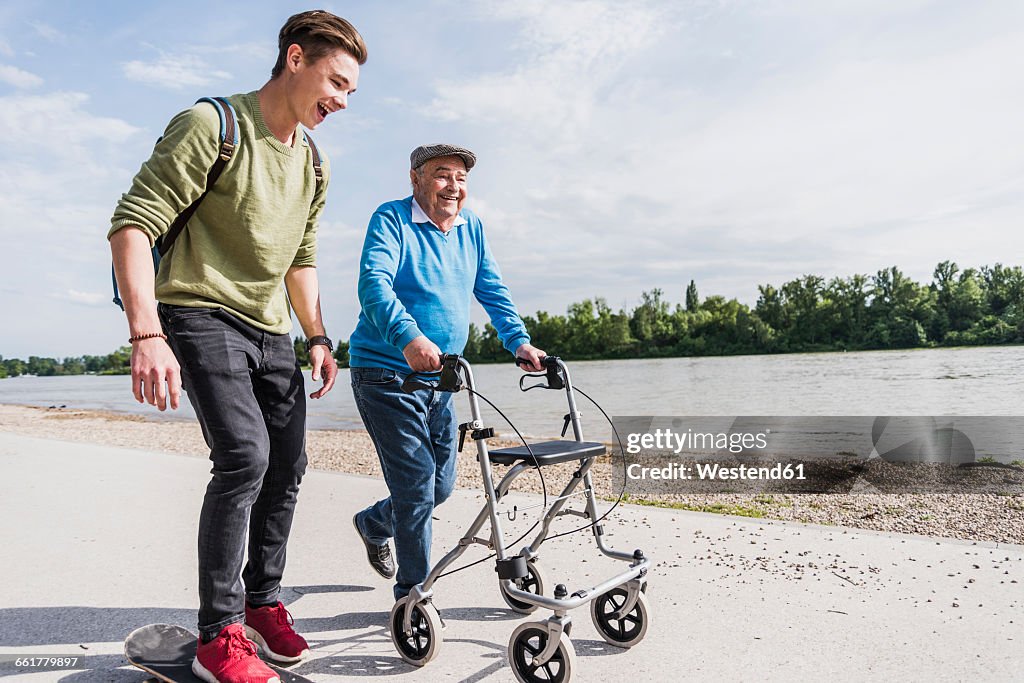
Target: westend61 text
<point x="714" y="471"/>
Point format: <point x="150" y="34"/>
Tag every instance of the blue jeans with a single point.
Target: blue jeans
<point x="414" y="435"/>
<point x="248" y="393"/>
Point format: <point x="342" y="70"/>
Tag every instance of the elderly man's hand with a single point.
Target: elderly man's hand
<point x="533" y="355"/>
<point x="422" y="355"/>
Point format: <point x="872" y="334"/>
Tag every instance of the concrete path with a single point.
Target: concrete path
<point x="98" y="541"/>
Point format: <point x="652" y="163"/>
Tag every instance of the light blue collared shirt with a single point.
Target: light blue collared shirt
<point x="420" y="216"/>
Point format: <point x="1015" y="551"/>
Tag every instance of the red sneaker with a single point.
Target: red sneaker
<point x="271" y="629"/>
<point x="231" y="658"/>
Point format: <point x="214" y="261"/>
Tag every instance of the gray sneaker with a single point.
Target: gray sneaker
<point x="379" y="555"/>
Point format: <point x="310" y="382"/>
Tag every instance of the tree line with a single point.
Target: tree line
<point x="885" y="311"/>
<point x="116" y="363"/>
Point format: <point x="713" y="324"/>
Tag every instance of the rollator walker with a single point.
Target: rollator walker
<point x="537" y="650"/>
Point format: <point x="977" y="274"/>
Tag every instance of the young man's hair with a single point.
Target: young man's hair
<point x="318" y="32"/>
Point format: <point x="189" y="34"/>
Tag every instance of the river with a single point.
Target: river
<point x="960" y="381"/>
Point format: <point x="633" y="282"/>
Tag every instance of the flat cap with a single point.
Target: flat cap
<point x="425" y="153"/>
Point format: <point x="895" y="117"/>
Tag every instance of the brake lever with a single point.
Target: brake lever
<point x="449" y="380"/>
<point x="523" y="377"/>
<point x="551" y="374"/>
<point x="554" y="378"/>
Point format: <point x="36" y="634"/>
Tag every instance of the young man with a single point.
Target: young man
<point x="423" y="260"/>
<point x="221" y="327"/>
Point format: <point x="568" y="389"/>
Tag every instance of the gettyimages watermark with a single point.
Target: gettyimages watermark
<point x="836" y="454"/>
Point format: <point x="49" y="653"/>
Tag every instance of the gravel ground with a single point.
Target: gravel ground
<point x="988" y="517"/>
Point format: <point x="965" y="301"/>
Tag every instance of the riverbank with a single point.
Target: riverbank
<point x="972" y="517"/>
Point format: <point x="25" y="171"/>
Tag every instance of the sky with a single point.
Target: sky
<point x="623" y="146"/>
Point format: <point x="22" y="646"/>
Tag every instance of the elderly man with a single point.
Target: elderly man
<point x="423" y="257"/>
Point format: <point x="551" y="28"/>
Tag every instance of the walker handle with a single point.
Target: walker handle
<point x="547" y="361"/>
<point x="554" y="379"/>
<point x="447" y="377"/>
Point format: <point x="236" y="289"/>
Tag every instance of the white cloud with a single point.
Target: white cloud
<point x="256" y="51"/>
<point x="47" y="32"/>
<point x="572" y="55"/>
<point x="58" y="123"/>
<point x="174" y="71"/>
<point x="5" y="49"/>
<point x="86" y="298"/>
<point x="12" y="75"/>
<point x="62" y="169"/>
<point x="670" y="143"/>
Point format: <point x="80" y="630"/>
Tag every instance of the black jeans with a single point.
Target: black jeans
<point x="247" y="391"/>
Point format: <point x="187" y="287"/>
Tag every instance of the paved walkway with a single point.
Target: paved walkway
<point x="98" y="541"/>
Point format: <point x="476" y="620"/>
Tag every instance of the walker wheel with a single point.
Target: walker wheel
<point x="532" y="582"/>
<point x="424" y="642"/>
<point x="626" y="631"/>
<point x="528" y="641"/>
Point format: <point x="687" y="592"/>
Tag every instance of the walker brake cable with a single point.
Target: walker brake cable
<point x="536" y="466"/>
<point x="622" y="492"/>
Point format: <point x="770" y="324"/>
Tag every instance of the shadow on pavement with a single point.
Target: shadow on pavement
<point x="78" y="626"/>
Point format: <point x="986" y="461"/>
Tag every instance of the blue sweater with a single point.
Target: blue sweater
<point x="415" y="280"/>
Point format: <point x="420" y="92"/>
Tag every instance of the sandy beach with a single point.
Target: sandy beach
<point x="973" y="517"/>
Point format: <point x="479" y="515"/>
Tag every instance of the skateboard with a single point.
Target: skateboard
<point x="167" y="652"/>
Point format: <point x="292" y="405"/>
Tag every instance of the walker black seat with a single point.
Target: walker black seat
<point x="547" y="452"/>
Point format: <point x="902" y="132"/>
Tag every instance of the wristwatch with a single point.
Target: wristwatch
<point x="319" y="340"/>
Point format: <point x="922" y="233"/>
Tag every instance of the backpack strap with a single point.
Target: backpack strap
<point x="317" y="166"/>
<point x="228" y="143"/>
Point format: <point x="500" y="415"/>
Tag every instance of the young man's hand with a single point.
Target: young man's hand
<point x="325" y="365"/>
<point x="422" y="355"/>
<point x="532" y="354"/>
<point x="156" y="375"/>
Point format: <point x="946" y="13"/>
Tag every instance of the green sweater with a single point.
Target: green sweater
<point x="259" y="219"/>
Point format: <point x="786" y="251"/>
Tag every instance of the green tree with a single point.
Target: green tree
<point x="1004" y="290"/>
<point x="341" y="354"/>
<point x="472" y="350"/>
<point x="549" y="332"/>
<point x="723" y="326"/>
<point x="651" y="323"/>
<point x="42" y="367"/>
<point x="491" y="348"/>
<point x="845" y="305"/>
<point x="968" y="302"/>
<point x="301" y="355"/>
<point x="809" y="322"/>
<point x="771" y="308"/>
<point x="119" y="362"/>
<point x="73" y="366"/>
<point x="944" y="286"/>
<point x="900" y="310"/>
<point x="582" y="323"/>
<point x="15" y="367"/>
<point x="692" y="299"/>
<point x="611" y="332"/>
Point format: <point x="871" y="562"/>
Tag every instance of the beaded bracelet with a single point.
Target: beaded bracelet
<point x="151" y="335"/>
